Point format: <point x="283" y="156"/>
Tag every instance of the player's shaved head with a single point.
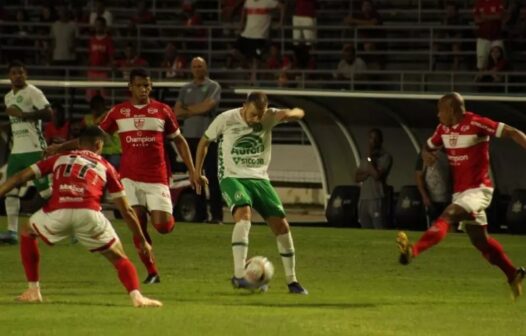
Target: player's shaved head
<point x="259" y="99"/>
<point x="454" y="100"/>
<point x="199" y="69"/>
<point x="198" y="60"/>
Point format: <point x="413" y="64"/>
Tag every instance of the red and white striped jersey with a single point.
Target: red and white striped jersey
<point x="79" y="179"/>
<point x="467" y="148"/>
<point x="142" y="131"/>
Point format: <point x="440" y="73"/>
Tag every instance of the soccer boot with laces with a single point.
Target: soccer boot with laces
<point x="406" y="249"/>
<point x="516" y="282"/>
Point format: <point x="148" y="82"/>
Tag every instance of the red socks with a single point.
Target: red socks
<point x="30" y="257"/>
<point x="127" y="274"/>
<point x="431" y="237"/>
<point x="494" y="253"/>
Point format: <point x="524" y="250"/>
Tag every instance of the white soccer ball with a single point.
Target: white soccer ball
<point x="259" y="271"/>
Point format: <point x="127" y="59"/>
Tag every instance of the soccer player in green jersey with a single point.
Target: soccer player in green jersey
<point x="26" y="107"/>
<point x="245" y="136"/>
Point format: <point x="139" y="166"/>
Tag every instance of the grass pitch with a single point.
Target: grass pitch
<point x="356" y="287"/>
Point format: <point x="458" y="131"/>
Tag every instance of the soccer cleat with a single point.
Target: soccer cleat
<point x="9" y="237"/>
<point x="296" y="288"/>
<point x="152" y="279"/>
<point x="140" y="301"/>
<point x="516" y="283"/>
<point x="238" y="283"/>
<point x="30" y="295"/>
<point x="406" y="249"/>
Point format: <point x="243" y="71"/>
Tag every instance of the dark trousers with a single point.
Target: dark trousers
<point x="210" y="167"/>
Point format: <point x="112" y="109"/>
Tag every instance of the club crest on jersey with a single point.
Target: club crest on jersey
<point x="453" y="139"/>
<point x="152" y="110"/>
<point x="138" y="122"/>
<point x="125" y="112"/>
<point x="464" y="128"/>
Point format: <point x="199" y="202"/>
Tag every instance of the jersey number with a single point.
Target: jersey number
<point x="83" y="171"/>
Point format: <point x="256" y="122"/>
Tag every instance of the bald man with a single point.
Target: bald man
<point x="465" y="137"/>
<point x="196" y="107"/>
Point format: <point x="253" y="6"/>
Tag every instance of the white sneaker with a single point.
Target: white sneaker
<point x="30" y="295"/>
<point x="140" y="301"/>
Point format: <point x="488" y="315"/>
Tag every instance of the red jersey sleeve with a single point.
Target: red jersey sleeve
<point x="435" y="141"/>
<point x="171" y="127"/>
<point x="109" y="123"/>
<point x="44" y="167"/>
<point x="487" y="126"/>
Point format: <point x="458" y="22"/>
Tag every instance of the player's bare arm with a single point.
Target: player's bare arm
<point x="16" y="180"/>
<point x="44" y="114"/>
<point x="65" y="146"/>
<point x="129" y="216"/>
<point x="199" y="179"/>
<point x="293" y="114"/>
<point x="186" y="155"/>
<point x="516" y="135"/>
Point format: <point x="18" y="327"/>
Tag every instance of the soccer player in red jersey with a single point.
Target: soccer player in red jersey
<point x="79" y="179"/>
<point x="465" y="136"/>
<point x="142" y="124"/>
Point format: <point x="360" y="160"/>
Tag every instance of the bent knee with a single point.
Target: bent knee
<point x="166" y="227"/>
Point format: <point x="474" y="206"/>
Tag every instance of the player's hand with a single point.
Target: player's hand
<point x="427" y="201"/>
<point x="429" y="158"/>
<point x="14" y="111"/>
<point x="200" y="182"/>
<point x="146" y="250"/>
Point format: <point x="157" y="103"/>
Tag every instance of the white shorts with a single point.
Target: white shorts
<point x="153" y="196"/>
<point x="304" y="29"/>
<point x="474" y="201"/>
<point x="92" y="229"/>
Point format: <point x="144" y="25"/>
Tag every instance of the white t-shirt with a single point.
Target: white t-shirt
<point x="244" y="151"/>
<point x="258" y="13"/>
<point x="27" y="134"/>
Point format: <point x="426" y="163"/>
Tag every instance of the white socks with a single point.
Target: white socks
<point x="286" y="250"/>
<point x="240" y="246"/>
<point x="35" y="284"/>
<point x="12" y="209"/>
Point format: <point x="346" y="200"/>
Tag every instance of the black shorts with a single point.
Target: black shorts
<point x="251" y="47"/>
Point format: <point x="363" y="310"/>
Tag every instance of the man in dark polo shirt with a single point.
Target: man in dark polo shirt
<point x="197" y="107"/>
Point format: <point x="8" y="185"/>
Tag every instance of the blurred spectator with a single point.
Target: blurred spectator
<point x="367" y="17"/>
<point x="130" y="60"/>
<point x="512" y="15"/>
<point x="304" y="31"/>
<point x="143" y="16"/>
<point x="192" y="21"/>
<point x="350" y="66"/>
<point x="372" y="174"/>
<point x="256" y="19"/>
<point x="230" y="14"/>
<point x="488" y="15"/>
<point x="20" y="32"/>
<point x="496" y="64"/>
<point x="111" y="150"/>
<point x="20" y="28"/>
<point x="100" y="10"/>
<point x="64" y="39"/>
<point x="233" y="73"/>
<point x="47" y="15"/>
<point x="57" y="130"/>
<point x="173" y="62"/>
<point x="434" y="183"/>
<point x="452" y="18"/>
<point x="101" y="53"/>
<point x="275" y="61"/>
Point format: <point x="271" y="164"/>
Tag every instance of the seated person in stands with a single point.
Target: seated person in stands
<point x="367" y="17"/>
<point x="129" y="60"/>
<point x="350" y="66"/>
<point x="497" y="63"/>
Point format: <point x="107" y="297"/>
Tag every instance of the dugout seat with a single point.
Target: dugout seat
<point x="516" y="212"/>
<point x="409" y="212"/>
<point x="342" y="209"/>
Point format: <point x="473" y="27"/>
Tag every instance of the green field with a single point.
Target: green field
<point x="356" y="288"/>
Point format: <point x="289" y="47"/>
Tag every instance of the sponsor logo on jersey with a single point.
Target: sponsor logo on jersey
<point x="138" y="123"/>
<point x="125" y="112"/>
<point x="75" y="190"/>
<point x="140" y="141"/>
<point x="456" y="160"/>
<point x="246" y="151"/>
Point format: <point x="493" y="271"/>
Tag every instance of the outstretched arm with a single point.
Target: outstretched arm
<point x="16" y="180"/>
<point x="293" y="114"/>
<point x="516" y="135"/>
